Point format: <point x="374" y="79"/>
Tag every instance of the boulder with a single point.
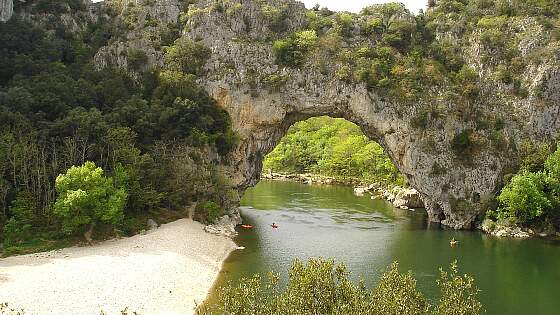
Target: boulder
<point x="409" y="198"/>
<point x="152" y="225"/>
<point x="493" y="228"/>
<point x="359" y="191"/>
<point x="225" y="226"/>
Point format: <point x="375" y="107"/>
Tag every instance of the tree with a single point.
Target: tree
<point x="524" y="198"/>
<point x="19" y="227"/>
<point x="87" y="197"/>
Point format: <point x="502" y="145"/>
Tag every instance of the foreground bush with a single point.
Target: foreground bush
<point x="321" y="287"/>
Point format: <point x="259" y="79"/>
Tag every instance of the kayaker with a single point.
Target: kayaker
<point x="453" y="242"/>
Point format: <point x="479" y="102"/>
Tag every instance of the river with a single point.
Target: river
<point x="514" y="276"/>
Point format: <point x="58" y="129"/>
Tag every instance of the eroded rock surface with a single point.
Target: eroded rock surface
<point x="452" y="188"/>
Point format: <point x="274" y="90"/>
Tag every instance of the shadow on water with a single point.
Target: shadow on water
<point x="515" y="276"/>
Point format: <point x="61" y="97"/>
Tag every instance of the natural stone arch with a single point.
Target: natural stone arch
<point x="453" y="190"/>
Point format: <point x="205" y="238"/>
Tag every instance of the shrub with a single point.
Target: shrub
<point x="462" y="144"/>
<point x="19" y="227"/>
<point x="293" y="50"/>
<point x="523" y="198"/>
<point x="137" y="59"/>
<point x="458" y="293"/>
<point x="187" y="56"/>
<point x="87" y="197"/>
<point x="502" y="74"/>
<point x="276" y="17"/>
<point x="275" y="81"/>
<point x="317" y="22"/>
<point x="321" y="287"/>
<point x="467" y="81"/>
<point x="208" y="212"/>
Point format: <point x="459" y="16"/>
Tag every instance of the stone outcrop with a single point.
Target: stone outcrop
<point x="451" y="188"/>
<point x="497" y="230"/>
<point x="149" y="19"/>
<point x="403" y="198"/>
<point x="225" y="226"/>
<point x="6" y="10"/>
<point x="409" y="199"/>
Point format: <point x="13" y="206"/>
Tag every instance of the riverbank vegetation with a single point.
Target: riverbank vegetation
<point x="84" y="146"/>
<point x="531" y="198"/>
<point x="323" y="287"/>
<point x="332" y="147"/>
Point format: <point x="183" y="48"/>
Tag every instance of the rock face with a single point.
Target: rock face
<point x="451" y="189"/>
<point x="6" y="10"/>
<point x="409" y="198"/>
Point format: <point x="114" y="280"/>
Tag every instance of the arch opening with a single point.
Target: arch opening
<point x="331" y="150"/>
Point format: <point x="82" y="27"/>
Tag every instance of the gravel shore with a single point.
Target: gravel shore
<point x="166" y="271"/>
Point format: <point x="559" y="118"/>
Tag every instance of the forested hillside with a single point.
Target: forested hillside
<point x="332" y="147"/>
<point x="156" y="138"/>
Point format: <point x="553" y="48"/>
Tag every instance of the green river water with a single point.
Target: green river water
<point x="514" y="276"/>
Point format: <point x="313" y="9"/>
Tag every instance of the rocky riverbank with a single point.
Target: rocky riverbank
<point x="169" y="270"/>
<point x="400" y="197"/>
<point x="509" y="230"/>
<point x="308" y="178"/>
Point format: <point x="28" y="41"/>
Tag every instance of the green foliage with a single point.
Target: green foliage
<point x="458" y="293"/>
<point x="187" y="56"/>
<point x="19" y="227"/>
<point x="534" y="156"/>
<point x="532" y="197"/>
<point x="467" y="80"/>
<point x="502" y="74"/>
<point x="137" y="59"/>
<point x="523" y="198"/>
<point x="293" y="50"/>
<point x="276" y="17"/>
<point x="275" y="81"/>
<point x="321" y="287"/>
<point x="463" y="144"/>
<point x="396" y="293"/>
<point x="86" y="197"/>
<point x="333" y="147"/>
<point x="208" y="212"/>
<point x="318" y="22"/>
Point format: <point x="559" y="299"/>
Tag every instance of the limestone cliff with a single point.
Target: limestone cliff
<point x="454" y="125"/>
<point x="452" y="187"/>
